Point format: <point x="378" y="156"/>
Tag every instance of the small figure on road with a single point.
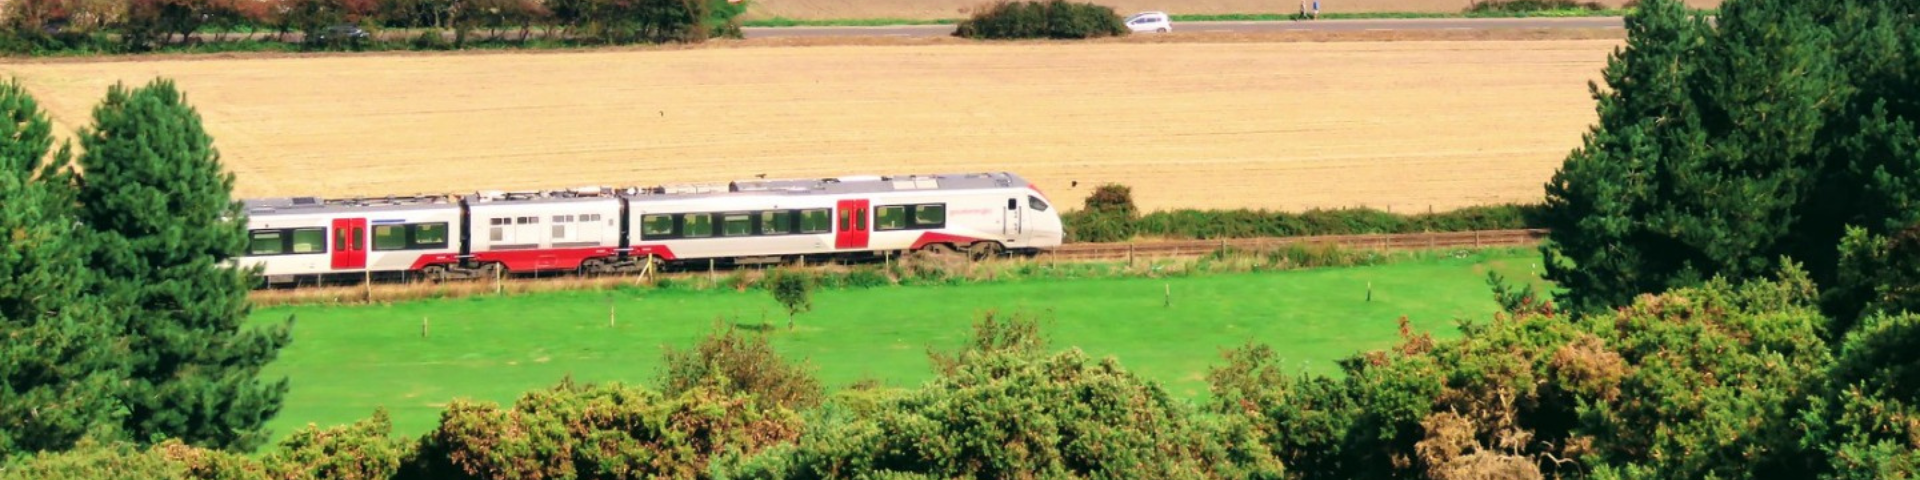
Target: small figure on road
<point x="1316" y="9"/>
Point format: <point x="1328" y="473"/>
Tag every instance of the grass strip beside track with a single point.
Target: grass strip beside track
<point x="345" y="361"/>
<point x="776" y="22"/>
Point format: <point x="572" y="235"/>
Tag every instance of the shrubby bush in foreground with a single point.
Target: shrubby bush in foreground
<point x="1695" y="383"/>
<point x="1004" y="408"/>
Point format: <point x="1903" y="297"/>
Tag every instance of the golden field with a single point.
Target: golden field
<point x="938" y="9"/>
<point x="1405" y="125"/>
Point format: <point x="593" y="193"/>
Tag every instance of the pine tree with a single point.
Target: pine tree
<point x="57" y="358"/>
<point x="167" y="232"/>
<point x="1721" y="151"/>
<point x="1601" y="248"/>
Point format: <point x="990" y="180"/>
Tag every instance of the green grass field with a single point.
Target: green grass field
<point x="345" y="361"/>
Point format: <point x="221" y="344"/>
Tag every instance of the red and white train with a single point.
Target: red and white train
<point x="610" y="230"/>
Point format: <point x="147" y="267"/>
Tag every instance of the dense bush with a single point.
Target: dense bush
<point x="733" y="362"/>
<point x="1869" y="426"/>
<point x="1007" y="410"/>
<point x="599" y="431"/>
<point x="1057" y="19"/>
<point x="1695" y="383"/>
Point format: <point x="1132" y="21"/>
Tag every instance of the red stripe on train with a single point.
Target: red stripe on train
<point x="656" y="250"/>
<point x="937" y="237"/>
<point x="550" y="259"/>
<point x="435" y="259"/>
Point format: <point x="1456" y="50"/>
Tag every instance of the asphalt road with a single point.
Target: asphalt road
<point x="1272" y="26"/>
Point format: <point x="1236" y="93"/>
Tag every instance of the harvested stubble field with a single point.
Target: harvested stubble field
<point x="1201" y="124"/>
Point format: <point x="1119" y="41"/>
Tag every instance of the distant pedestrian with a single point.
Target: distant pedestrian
<point x="1316" y="9"/>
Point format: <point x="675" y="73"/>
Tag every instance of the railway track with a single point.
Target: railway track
<point x="410" y="289"/>
<point x="1404" y="241"/>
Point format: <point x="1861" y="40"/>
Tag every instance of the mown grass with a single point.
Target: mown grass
<point x="345" y="361"/>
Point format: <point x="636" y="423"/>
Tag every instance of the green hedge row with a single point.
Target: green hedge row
<point x="47" y="27"/>
<point x="1058" y="19"/>
<point x="1110" y="216"/>
<point x="1097" y="226"/>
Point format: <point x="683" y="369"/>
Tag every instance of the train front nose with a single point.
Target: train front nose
<point x="1048" y="232"/>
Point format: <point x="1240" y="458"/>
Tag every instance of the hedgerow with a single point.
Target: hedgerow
<point x="45" y="27"/>
<point x="1109" y="216"/>
<point x="1057" y="19"/>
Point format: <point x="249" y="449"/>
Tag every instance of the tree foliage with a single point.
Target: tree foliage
<point x="1059" y="19"/>
<point x="1723" y="148"/>
<point x="166" y="234"/>
<point x="1704" y="382"/>
<point x="793" y="289"/>
<point x="58" y="360"/>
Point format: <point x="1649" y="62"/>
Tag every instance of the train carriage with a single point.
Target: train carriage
<point x="609" y="230"/>
<point x="291" y="238"/>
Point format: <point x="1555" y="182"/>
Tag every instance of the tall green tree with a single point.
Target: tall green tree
<point x="167" y="232"/>
<point x="1723" y="148"/>
<point x="57" y="360"/>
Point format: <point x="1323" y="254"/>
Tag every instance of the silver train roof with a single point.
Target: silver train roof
<point x="821" y="186"/>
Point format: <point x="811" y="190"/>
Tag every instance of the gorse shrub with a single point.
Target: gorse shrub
<point x="1057" y="19"/>
<point x="733" y="362"/>
<point x="599" y="431"/>
<point x="1007" y="409"/>
<point x="1695" y="383"/>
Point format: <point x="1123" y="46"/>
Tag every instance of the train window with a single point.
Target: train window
<point x="860" y="219"/>
<point x="698" y="225"/>
<point x="340" y="239"/>
<point x="266" y="242"/>
<point x="656" y="225"/>
<point x="816" y="221"/>
<point x="428" y="235"/>
<point x="737" y="224"/>
<point x="846" y="219"/>
<point x="309" y="240"/>
<point x="890" y="217"/>
<point x="930" y="216"/>
<point x="1036" y="203"/>
<point x="498" y="221"/>
<point x="497" y="234"/>
<point x="1013" y="204"/>
<point x="777" y="222"/>
<point x="389" y="237"/>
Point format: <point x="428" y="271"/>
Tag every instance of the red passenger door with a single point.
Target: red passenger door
<point x="349" y="243"/>
<point x="851" y="219"/>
